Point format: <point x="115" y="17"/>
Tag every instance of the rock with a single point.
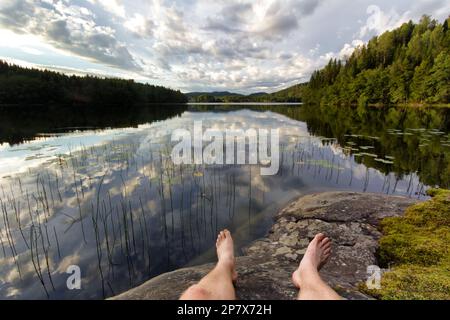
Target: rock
<point x="282" y="250"/>
<point x="291" y="256"/>
<point x="350" y="219"/>
<point x="290" y="240"/>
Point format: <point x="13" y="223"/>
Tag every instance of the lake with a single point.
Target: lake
<point x="96" y="188"/>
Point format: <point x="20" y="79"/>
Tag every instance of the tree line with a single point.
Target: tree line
<point x="408" y="65"/>
<point x="20" y="85"/>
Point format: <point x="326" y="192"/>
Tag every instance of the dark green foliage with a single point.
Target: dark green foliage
<point x="408" y="65"/>
<point x="31" y="86"/>
<point x="291" y="94"/>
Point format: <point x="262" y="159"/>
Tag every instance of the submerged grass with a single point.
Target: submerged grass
<point x="417" y="247"/>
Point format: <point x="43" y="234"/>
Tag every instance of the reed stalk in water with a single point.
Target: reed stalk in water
<point x="36" y="264"/>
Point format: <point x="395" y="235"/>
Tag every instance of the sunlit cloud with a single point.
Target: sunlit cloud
<point x="238" y="45"/>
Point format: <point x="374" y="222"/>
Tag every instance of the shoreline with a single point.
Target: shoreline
<point x="90" y="105"/>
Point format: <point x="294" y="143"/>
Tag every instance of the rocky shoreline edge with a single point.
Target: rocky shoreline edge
<point x="350" y="219"/>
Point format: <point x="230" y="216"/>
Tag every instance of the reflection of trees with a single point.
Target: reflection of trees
<point x="424" y="152"/>
<point x="431" y="160"/>
<point x="20" y="124"/>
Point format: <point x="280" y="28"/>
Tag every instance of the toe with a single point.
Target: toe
<point x="325" y="241"/>
<point x="319" y="237"/>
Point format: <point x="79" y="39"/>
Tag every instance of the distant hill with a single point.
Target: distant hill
<point x="291" y="94"/>
<point x="257" y="94"/>
<point x="213" y="94"/>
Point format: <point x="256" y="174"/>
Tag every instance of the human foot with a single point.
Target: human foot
<point x="225" y="252"/>
<point x="316" y="255"/>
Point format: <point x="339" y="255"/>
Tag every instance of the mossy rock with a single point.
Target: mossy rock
<point x="417" y="247"/>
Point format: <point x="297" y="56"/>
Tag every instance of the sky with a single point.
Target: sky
<point x="198" y="45"/>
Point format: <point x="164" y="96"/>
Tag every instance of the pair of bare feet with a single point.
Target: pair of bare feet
<point x="316" y="255"/>
<point x="306" y="277"/>
<point x="218" y="283"/>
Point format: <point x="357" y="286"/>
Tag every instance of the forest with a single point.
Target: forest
<point x="32" y="86"/>
<point x="408" y="65"/>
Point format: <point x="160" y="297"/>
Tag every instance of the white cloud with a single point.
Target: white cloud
<point x="67" y="27"/>
<point x="139" y="25"/>
<point x="348" y="49"/>
<point x="380" y="21"/>
<point x="114" y="6"/>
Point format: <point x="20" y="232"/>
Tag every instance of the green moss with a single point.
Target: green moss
<point x="411" y="282"/>
<point x="417" y="248"/>
<point x="421" y="236"/>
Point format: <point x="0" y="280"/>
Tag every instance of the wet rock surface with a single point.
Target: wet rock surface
<point x="350" y="219"/>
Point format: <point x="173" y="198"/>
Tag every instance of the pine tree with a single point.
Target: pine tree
<point x="408" y="64"/>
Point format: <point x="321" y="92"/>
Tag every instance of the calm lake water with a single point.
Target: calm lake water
<point x="98" y="189"/>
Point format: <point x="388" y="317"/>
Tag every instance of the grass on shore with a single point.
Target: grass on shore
<point x="417" y="247"/>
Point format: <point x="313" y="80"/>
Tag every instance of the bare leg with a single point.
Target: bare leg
<point x="218" y="284"/>
<point x="307" y="277"/>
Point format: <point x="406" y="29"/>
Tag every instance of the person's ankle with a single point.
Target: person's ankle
<point x="306" y="273"/>
<point x="227" y="262"/>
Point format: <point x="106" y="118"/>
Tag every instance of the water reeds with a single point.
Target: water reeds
<point x="36" y="260"/>
<point x="143" y="213"/>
